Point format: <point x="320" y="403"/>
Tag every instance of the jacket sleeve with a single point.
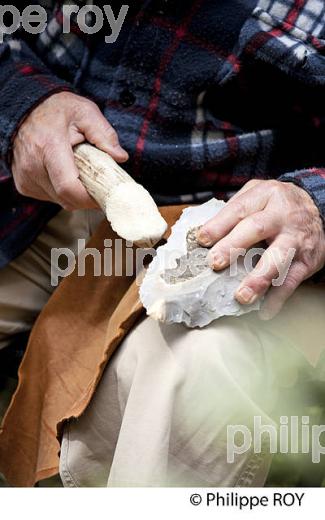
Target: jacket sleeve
<point x="289" y="36"/>
<point x="25" y="81"/>
<point x="313" y="181"/>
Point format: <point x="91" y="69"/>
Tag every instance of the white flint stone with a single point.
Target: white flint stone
<point x="205" y="296"/>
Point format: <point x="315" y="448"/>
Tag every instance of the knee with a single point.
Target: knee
<point x="224" y="356"/>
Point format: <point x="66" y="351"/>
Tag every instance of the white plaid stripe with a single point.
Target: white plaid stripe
<point x="15" y="45"/>
<point x="197" y="136"/>
<point x="267" y="22"/>
<point x="310" y="20"/>
<point x="59" y="47"/>
<point x="54" y="28"/>
<point x="280" y="9"/>
<point x="265" y="4"/>
<point x="319" y="28"/>
<point x="306" y="22"/>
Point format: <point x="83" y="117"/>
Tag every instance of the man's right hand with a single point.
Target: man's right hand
<point x="43" y="165"/>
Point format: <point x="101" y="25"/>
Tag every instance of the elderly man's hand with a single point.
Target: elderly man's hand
<point x="43" y="164"/>
<point x="285" y="216"/>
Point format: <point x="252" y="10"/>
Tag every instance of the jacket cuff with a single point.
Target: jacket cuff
<point x="20" y="94"/>
<point x="313" y="181"/>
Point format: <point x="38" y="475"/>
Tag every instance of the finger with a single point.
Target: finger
<point x="98" y="131"/>
<point x="277" y="296"/>
<point x="36" y="192"/>
<point x="46" y="186"/>
<point x="274" y="263"/>
<point x="251" y="201"/>
<point x="34" y="189"/>
<point x="246" y="233"/>
<point x="63" y="174"/>
<point x="47" y="194"/>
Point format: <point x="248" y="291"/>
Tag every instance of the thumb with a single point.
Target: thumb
<point x="99" y="132"/>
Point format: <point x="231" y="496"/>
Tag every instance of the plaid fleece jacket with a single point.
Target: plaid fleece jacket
<point x="204" y="94"/>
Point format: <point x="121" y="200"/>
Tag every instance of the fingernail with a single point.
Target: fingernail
<point x="247" y="295"/>
<point x="218" y="261"/>
<point x="204" y="238"/>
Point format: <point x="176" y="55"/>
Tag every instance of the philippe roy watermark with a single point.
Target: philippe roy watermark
<point x="293" y="435"/>
<point x="120" y="258"/>
<point x="90" y="19"/>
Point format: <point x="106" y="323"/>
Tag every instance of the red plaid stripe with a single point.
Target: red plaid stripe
<point x="180" y="33"/>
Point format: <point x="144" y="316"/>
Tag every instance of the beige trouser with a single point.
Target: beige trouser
<point x="160" y="414"/>
<point x="25" y="285"/>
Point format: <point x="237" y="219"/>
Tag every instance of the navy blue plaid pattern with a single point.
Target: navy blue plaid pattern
<point x="204" y="95"/>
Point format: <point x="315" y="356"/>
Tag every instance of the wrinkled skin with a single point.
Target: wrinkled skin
<point x="285" y="217"/>
<point x="43" y="164"/>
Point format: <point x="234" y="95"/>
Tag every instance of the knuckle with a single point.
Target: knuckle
<point x="260" y="284"/>
<point x="239" y="208"/>
<point x="66" y="97"/>
<point x="258" y="226"/>
<point x="291" y="283"/>
<point x="292" y="280"/>
<point x="80" y="111"/>
<point x="278" y="189"/>
<point x="307" y="255"/>
<point x="53" y="143"/>
<point x="109" y="132"/>
<point x="91" y="105"/>
<point x="308" y="258"/>
<point x="222" y="252"/>
<point x="275" y="186"/>
<point x="85" y="109"/>
<point x="51" y="149"/>
<point x="253" y="182"/>
<point x="65" y="190"/>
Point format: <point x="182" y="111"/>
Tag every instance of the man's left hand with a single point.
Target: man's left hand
<point x="286" y="218"/>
